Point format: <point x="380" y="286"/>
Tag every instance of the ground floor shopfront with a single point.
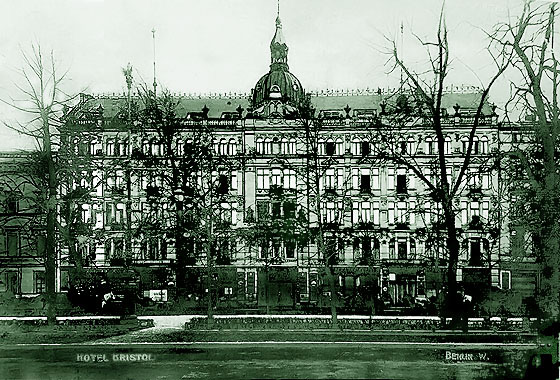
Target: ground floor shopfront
<point x="358" y="289"/>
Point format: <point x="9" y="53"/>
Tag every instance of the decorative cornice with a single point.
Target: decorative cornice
<point x="452" y="89"/>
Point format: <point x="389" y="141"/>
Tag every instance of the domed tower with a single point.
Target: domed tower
<point x="278" y="92"/>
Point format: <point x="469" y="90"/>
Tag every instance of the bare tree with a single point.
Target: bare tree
<point x="528" y="42"/>
<point x="420" y="104"/>
<point x="188" y="184"/>
<point x="43" y="104"/>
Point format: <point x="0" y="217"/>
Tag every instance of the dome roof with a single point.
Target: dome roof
<point x="278" y="83"/>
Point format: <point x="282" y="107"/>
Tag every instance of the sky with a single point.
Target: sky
<point x="209" y="46"/>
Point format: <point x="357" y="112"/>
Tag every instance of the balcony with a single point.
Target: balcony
<point x="152" y="191"/>
<point x="330" y="191"/>
<point x="276" y="190"/>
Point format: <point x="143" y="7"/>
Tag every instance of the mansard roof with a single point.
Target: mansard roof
<point x="219" y="105"/>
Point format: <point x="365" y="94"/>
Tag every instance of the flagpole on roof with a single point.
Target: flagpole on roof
<point x="154" y="48"/>
<point x="402" y="52"/>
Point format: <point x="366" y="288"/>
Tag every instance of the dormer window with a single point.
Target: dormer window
<point x="275" y="92"/>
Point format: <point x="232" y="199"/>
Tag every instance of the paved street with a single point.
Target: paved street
<point x="264" y="360"/>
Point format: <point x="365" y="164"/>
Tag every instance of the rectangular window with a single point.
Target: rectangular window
<point x="401" y="212"/>
<point x="391" y="211"/>
<point x="475" y="209"/>
<point x="263" y="179"/>
<point x="375" y="178"/>
<point x="375" y="213"/>
<point x="505" y="279"/>
<point x="365" y="184"/>
<point x="290" y="249"/>
<point x="485" y="209"/>
<point x="109" y="214"/>
<point x="276" y="210"/>
<point x="340" y="179"/>
<point x="355" y="179"/>
<point x="39" y="284"/>
<point x="276" y="177"/>
<point x="402" y="250"/>
<point x="365" y="148"/>
<point x="476" y="254"/>
<point x="486" y="181"/>
<point x="41" y="245"/>
<point x="289" y="179"/>
<point x="223" y="184"/>
<point x="459" y="275"/>
<point x="390" y="178"/>
<point x="330" y="179"/>
<point x="13" y="283"/>
<point x="233" y="182"/>
<point x="401" y="184"/>
<point x="262" y="210"/>
<point x="289" y="209"/>
<point x="251" y="284"/>
<point x="331" y="251"/>
<point x="12" y="243"/>
<point x="365" y="212"/>
<point x="330" y="148"/>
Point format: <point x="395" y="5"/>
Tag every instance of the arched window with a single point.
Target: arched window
<point x="356" y="146"/>
<point x="284" y="147"/>
<point x="430" y="146"/>
<point x="156" y="147"/>
<point x="292" y="146"/>
<point x="232" y="148"/>
<point x="465" y="144"/>
<point x="410" y="146"/>
<point x="124" y="147"/>
<point x="447" y="145"/>
<point x="475" y="145"/>
<point x="146" y="146"/>
<point x="223" y="147"/>
<point x="110" y="147"/>
<point x="93" y="147"/>
<point x="117" y="146"/>
<point x="83" y="148"/>
<point x="484" y="145"/>
<point x="339" y="146"/>
<point x="267" y="145"/>
<point x="179" y="147"/>
<point x="188" y="148"/>
<point x="260" y="145"/>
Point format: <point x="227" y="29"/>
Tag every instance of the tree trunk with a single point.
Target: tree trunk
<point x="452" y="305"/>
<point x="334" y="297"/>
<point x="50" y="259"/>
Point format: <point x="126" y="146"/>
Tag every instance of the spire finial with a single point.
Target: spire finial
<point x="278" y="48"/>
